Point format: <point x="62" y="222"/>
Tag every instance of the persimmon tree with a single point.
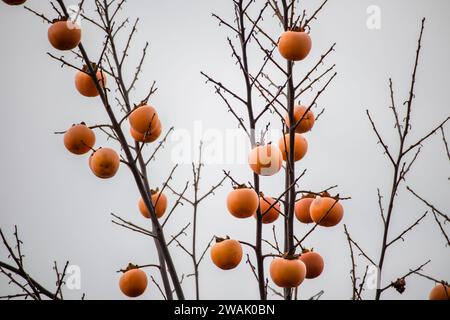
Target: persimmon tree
<point x="262" y="95"/>
<point x="401" y="162"/>
<point x="294" y="45"/>
<point x="103" y="77"/>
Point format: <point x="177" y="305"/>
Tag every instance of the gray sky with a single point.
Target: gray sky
<point x="62" y="210"/>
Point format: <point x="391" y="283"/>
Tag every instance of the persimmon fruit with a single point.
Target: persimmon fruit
<point x="300" y="146"/>
<point x="326" y="211"/>
<point x="302" y="209"/>
<point x="64" y="34"/>
<point x="307" y="119"/>
<point x="90" y="160"/>
<point x="268" y="215"/>
<point x="313" y="262"/>
<point x="440" y="292"/>
<point x="159" y="201"/>
<point x="148" y="137"/>
<point x="79" y="139"/>
<point x="86" y="85"/>
<point x="226" y="253"/>
<point x="144" y="119"/>
<point x="105" y="163"/>
<point x="287" y="272"/>
<point x="265" y="160"/>
<point x="14" y="2"/>
<point x="133" y="282"/>
<point x="242" y="202"/>
<point x="294" y="45"/>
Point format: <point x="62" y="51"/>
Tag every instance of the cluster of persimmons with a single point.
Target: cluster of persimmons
<point x="287" y="271"/>
<point x="104" y="162"/>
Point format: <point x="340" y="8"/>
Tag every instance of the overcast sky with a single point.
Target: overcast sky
<point x="63" y="211"/>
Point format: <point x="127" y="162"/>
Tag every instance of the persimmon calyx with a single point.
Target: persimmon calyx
<point x="94" y="66"/>
<point x="297" y="29"/>
<point x="308" y="195"/>
<point x="325" y="194"/>
<point x="289" y="256"/>
<point x="219" y="239"/>
<point x="240" y="186"/>
<point x="60" y="19"/>
<point x="129" y="267"/>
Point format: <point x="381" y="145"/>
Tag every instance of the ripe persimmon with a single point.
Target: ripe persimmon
<point x="242" y="202"/>
<point x="287" y="272"/>
<point x="268" y="215"/>
<point x="133" y="282"/>
<point x="14" y="2"/>
<point x="149" y="137"/>
<point x="144" y="119"/>
<point x="326" y="211"/>
<point x="79" y="139"/>
<point x="307" y="119"/>
<point x="294" y="45"/>
<point x="300" y="146"/>
<point x="440" y="292"/>
<point x="302" y="209"/>
<point x="226" y="253"/>
<point x="64" y="34"/>
<point x="104" y="163"/>
<point x="159" y="201"/>
<point x="90" y="160"/>
<point x="265" y="160"/>
<point x="313" y="262"/>
<point x="85" y="85"/>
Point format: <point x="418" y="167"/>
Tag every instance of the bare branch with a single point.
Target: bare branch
<point x="182" y="232"/>
<point x="407" y="275"/>
<point x="307" y="22"/>
<point x="429" y="204"/>
<point x="380" y="140"/>
<point x="400" y="236"/>
<point x="353" y="270"/>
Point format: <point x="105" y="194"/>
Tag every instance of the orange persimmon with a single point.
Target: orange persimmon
<point x="133" y="282"/>
<point x="294" y="45"/>
<point x="300" y="146"/>
<point x="440" y="292"/>
<point x="104" y="163"/>
<point x="226" y="253"/>
<point x="265" y="160"/>
<point x="313" y="262"/>
<point x="268" y="215"/>
<point x="148" y="137"/>
<point x="302" y="209"/>
<point x="326" y="211"/>
<point x="287" y="273"/>
<point x="85" y="85"/>
<point x="144" y="119"/>
<point x="14" y="2"/>
<point x="305" y="116"/>
<point x="79" y="139"/>
<point x="242" y="202"/>
<point x="159" y="201"/>
<point x="64" y="34"/>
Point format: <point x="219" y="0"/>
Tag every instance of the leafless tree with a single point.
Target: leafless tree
<point x="401" y="162"/>
<point x="252" y="38"/>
